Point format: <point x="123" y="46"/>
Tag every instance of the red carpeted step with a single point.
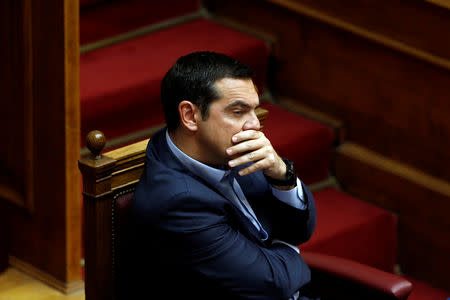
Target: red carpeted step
<point x="100" y="19"/>
<point x="307" y="143"/>
<point x="120" y="84"/>
<point x="351" y="228"/>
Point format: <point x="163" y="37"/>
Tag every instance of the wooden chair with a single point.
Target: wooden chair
<point x="108" y="184"/>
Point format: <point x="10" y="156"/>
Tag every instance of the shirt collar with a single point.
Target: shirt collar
<point x="210" y="174"/>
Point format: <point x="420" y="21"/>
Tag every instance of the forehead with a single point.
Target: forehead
<point x="231" y="89"/>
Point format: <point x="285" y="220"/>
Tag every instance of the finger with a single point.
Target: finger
<point x="246" y="135"/>
<point x="248" y="157"/>
<point x="246" y="146"/>
<point x="259" y="165"/>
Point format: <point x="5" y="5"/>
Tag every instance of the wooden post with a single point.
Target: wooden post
<point x="98" y="205"/>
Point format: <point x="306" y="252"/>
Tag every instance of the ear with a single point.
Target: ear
<point x="189" y="114"/>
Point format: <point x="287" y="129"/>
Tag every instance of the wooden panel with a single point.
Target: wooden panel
<point x="15" y="161"/>
<point x="40" y="159"/>
<point x="398" y="107"/>
<point x="98" y="278"/>
<point x="421" y="201"/>
<point x="416" y="24"/>
<point x="127" y="176"/>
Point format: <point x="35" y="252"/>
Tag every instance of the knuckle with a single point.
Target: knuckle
<point x="254" y="167"/>
<point x="268" y="150"/>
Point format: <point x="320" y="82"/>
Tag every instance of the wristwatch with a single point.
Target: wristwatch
<point x="291" y="175"/>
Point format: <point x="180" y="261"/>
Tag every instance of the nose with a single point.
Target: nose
<point x="252" y="122"/>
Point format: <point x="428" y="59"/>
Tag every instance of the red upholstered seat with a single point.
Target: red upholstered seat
<point x="350" y="228"/>
<point x="100" y="19"/>
<point x="424" y="291"/>
<point x="120" y="84"/>
<point x="307" y="143"/>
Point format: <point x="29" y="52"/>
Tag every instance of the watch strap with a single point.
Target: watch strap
<point x="291" y="176"/>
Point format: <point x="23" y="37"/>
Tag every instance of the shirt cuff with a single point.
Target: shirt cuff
<point x="293" y="197"/>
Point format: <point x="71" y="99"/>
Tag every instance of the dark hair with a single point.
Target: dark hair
<point x="193" y="78"/>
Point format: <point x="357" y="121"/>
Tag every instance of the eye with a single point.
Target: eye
<point x="237" y="112"/>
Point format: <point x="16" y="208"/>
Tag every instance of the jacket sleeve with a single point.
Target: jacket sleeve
<point x="285" y="222"/>
<point x="292" y="225"/>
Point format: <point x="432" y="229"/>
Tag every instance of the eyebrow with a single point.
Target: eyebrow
<point x="239" y="103"/>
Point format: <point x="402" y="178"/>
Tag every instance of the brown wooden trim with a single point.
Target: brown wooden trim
<point x="122" y="140"/>
<point x="262" y="114"/>
<point x="364" y="33"/>
<point x="29" y="107"/>
<point x="72" y="122"/>
<point x="440" y="3"/>
<point x="128" y="151"/>
<point x="141" y="31"/>
<point x="66" y="288"/>
<point x="270" y="39"/>
<point x="128" y="176"/>
<point x="396" y="168"/>
<point x="14" y="196"/>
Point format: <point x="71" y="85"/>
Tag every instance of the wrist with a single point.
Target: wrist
<point x="289" y="181"/>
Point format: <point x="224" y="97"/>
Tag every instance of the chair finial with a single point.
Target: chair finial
<point x="95" y="142"/>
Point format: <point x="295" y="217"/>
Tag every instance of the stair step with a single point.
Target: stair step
<point x="120" y="84"/>
<point x="352" y="228"/>
<point x="308" y="143"/>
<point x="101" y="19"/>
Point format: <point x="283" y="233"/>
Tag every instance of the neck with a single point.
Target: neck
<point x="187" y="143"/>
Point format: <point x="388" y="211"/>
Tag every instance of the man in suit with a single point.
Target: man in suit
<point x="217" y="213"/>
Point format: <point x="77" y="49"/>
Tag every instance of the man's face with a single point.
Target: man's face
<point x="232" y="113"/>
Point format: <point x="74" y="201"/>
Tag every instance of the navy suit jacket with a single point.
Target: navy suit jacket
<point x="189" y="241"/>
